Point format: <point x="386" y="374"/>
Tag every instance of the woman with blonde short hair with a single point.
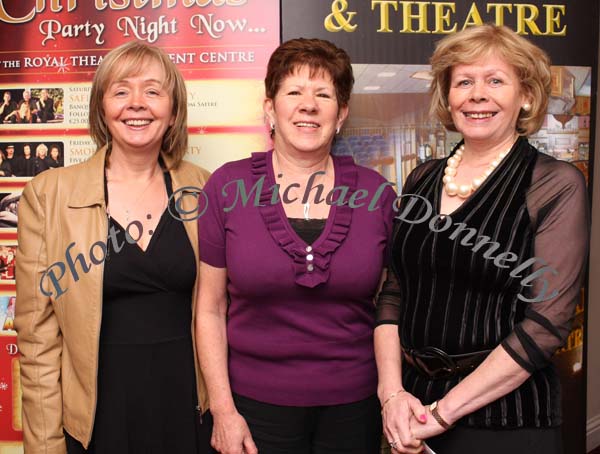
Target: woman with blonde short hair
<point x="487" y="261"/>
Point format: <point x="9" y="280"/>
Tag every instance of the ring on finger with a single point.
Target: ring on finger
<point x="393" y="444"/>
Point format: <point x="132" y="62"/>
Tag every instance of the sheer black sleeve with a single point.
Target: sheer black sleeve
<point x="558" y="208"/>
<point x="388" y="302"/>
<point x="389" y="299"/>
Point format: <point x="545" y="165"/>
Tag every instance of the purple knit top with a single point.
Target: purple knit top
<point x="301" y="317"/>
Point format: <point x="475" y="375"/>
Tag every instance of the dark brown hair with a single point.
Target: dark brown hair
<point x="320" y="56"/>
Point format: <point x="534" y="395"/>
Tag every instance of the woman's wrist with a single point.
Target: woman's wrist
<point x="384" y="391"/>
<point x="222" y="409"/>
<point x="445" y="412"/>
<point x="391" y="396"/>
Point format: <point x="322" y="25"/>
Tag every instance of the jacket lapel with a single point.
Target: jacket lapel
<point x="88" y="189"/>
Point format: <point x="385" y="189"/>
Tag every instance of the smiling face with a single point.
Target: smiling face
<point x="138" y="110"/>
<point x="305" y="112"/>
<point x="485" y="98"/>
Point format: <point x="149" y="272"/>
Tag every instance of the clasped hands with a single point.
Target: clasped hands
<point x="406" y="423"/>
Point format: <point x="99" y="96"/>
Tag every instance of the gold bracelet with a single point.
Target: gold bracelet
<point x="391" y="396"/>
<point x="433" y="408"/>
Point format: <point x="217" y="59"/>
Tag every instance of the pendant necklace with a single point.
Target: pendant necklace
<point x="127" y="209"/>
<point x="307" y="210"/>
<point x="305" y="206"/>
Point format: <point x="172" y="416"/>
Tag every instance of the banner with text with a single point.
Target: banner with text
<point x="48" y="55"/>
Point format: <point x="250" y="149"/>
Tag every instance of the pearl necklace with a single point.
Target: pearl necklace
<point x="465" y="190"/>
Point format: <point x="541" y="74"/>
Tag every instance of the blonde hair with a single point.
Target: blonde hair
<point x="531" y="64"/>
<point x="131" y="59"/>
<point x="41" y="147"/>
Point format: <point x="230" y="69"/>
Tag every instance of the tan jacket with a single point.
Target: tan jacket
<point x="58" y="337"/>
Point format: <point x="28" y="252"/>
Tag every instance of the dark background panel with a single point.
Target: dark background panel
<point x="365" y="45"/>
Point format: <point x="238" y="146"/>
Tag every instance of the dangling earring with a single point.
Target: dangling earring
<point x="526" y="107"/>
<point x="337" y="130"/>
<point x="272" y="124"/>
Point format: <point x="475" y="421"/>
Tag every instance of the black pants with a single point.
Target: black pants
<point x="204" y="432"/>
<point x="461" y="440"/>
<point x="353" y="428"/>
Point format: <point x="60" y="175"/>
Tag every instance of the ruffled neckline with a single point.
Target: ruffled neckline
<point x="310" y="262"/>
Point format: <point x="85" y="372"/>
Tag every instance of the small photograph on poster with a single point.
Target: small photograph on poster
<point x="28" y="159"/>
<point x="31" y="106"/>
<point x="8" y="254"/>
<point x="7" y="312"/>
<point x="9" y="204"/>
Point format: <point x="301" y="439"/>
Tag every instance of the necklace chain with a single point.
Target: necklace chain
<point x="305" y="206"/>
<point x="138" y="198"/>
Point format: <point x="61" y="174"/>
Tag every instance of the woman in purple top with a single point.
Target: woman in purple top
<point x="294" y="240"/>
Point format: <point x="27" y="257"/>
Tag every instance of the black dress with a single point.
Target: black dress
<point x="6" y="169"/>
<point x="449" y="289"/>
<point x="146" y="381"/>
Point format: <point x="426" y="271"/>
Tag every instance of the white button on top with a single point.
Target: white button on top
<point x="310" y="267"/>
<point x="309" y="257"/>
<point x="308" y="248"/>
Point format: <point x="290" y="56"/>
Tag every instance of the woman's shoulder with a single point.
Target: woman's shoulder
<point x="421" y="171"/>
<point x="238" y="169"/>
<point x="192" y="171"/>
<point x="53" y="177"/>
<point x="79" y="182"/>
<point x="555" y="173"/>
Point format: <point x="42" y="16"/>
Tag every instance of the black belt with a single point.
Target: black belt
<point x="435" y="363"/>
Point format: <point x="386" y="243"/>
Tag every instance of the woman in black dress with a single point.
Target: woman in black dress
<point x="487" y="258"/>
<point x="107" y="349"/>
<point x="5" y="167"/>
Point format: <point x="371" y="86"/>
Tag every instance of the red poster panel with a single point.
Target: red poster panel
<point x="64" y="41"/>
<point x="49" y="52"/>
<point x="221" y="47"/>
<point x="10" y="393"/>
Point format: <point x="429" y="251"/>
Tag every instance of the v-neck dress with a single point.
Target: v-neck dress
<point x="146" y="381"/>
<point x="505" y="268"/>
<point x="301" y="316"/>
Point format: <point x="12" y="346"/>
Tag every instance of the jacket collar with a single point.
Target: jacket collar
<point x="88" y="189"/>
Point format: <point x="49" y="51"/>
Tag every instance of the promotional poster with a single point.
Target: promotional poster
<point x="48" y="55"/>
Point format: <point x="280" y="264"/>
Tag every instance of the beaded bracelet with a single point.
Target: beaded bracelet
<point x="391" y="396"/>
